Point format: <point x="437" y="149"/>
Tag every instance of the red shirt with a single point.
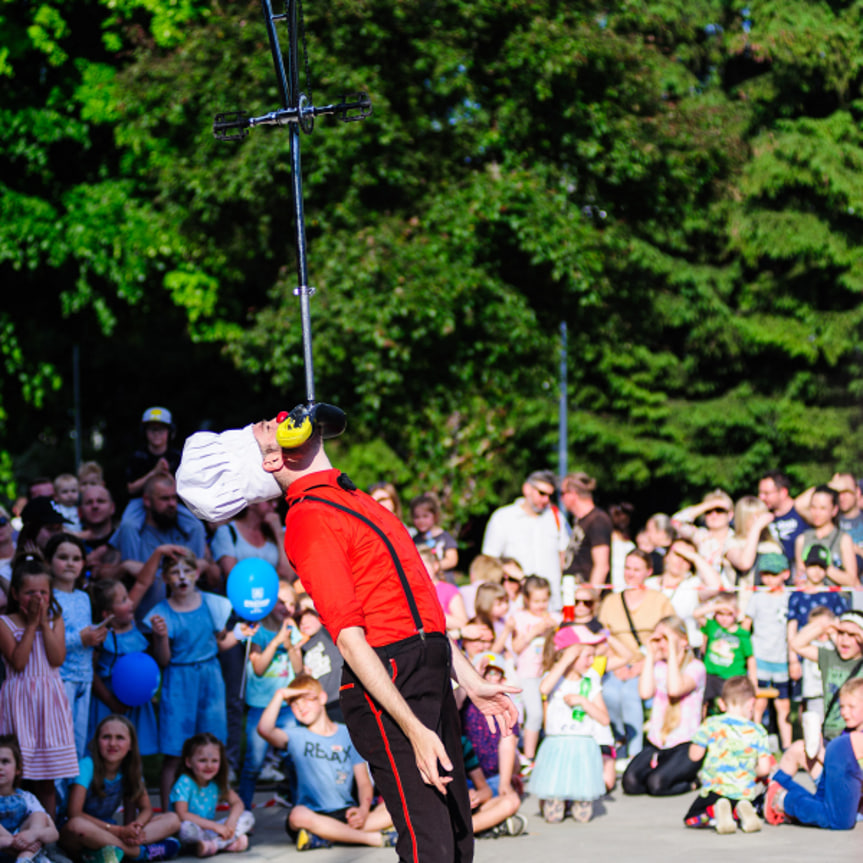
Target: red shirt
<point x="346" y="567"/>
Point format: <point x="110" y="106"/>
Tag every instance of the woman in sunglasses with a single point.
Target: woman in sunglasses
<point x="715" y="537"/>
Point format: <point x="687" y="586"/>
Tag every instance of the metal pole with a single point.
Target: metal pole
<point x="288" y="81"/>
<point x="299" y="213"/>
<point x="563" y="424"/>
<point x="76" y="398"/>
<point x="298" y="113"/>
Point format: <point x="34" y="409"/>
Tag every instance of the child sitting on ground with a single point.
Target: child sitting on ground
<point x="326" y="766"/>
<point x="201" y="785"/>
<point x="727" y="645"/>
<point x="836" y="800"/>
<point x="736" y="754"/>
<point x="25" y="827"/>
<point x="111" y="782"/>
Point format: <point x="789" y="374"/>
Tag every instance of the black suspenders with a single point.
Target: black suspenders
<point x="386" y="541"/>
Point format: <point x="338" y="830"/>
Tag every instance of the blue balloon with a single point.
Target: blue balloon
<point x="135" y="678"/>
<point x="253" y="588"/>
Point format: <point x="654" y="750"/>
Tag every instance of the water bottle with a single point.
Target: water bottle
<point x="578" y="713"/>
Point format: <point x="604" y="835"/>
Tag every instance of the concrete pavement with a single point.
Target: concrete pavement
<point x="626" y="828"/>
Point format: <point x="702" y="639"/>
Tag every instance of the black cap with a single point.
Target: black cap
<point x="41" y="510"/>
<point x="817" y="555"/>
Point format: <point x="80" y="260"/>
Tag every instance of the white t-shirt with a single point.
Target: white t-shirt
<point x="558" y="716"/>
<point x="535" y="541"/>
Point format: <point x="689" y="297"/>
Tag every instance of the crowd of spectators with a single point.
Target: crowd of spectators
<point x="713" y="650"/>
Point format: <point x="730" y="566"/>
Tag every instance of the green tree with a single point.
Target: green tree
<point x="676" y="181"/>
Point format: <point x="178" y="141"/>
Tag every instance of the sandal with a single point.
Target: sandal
<point x="582" y="811"/>
<point x="552" y="811"/>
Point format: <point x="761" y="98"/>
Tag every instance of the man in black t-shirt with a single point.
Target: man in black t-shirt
<point x="588" y="554"/>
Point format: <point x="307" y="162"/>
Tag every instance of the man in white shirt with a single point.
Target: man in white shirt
<point x="531" y="530"/>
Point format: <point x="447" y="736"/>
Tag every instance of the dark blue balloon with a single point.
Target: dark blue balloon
<point x="253" y="588"/>
<point x="135" y="678"/>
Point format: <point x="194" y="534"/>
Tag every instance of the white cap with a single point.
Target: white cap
<point x="221" y="474"/>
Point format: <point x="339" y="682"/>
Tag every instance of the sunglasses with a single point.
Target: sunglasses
<point x="543" y="493"/>
<point x="588" y="602"/>
<point x="715" y="510"/>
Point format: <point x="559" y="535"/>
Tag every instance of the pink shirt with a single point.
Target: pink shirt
<point x="446" y="592"/>
<point x="690" y="706"/>
<point x="529" y="661"/>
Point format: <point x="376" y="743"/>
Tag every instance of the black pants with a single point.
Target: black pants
<point x="661" y="772"/>
<point x="432" y="827"/>
<point x="705" y="806"/>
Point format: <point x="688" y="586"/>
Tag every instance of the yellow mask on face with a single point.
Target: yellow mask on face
<point x="294" y="428"/>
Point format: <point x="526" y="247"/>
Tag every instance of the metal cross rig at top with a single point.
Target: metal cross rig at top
<point x="298" y="113"/>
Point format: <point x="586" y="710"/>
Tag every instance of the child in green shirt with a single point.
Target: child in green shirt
<point x="727" y="645"/>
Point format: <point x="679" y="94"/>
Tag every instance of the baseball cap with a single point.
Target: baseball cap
<point x="157" y="415"/>
<point x="487" y="659"/>
<point x="773" y="563"/>
<point x="576" y="634"/>
<point x="41" y="510"/>
<point x="817" y="555"/>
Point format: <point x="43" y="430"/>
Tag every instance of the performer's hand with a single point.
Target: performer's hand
<point x="493" y="701"/>
<point x="429" y="750"/>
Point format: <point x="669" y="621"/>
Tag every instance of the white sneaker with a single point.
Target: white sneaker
<point x="621" y="764"/>
<point x="270" y="774"/>
<point x="725" y="822"/>
<point x="811" y="733"/>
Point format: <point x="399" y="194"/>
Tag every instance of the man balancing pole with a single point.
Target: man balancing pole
<point x="372" y="591"/>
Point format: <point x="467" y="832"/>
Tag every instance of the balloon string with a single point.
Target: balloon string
<point x="245" y="666"/>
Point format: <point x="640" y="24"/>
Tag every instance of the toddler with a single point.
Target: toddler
<point x="66" y="494"/>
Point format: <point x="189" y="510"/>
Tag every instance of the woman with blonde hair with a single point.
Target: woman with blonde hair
<point x="752" y="538"/>
<point x="674" y="679"/>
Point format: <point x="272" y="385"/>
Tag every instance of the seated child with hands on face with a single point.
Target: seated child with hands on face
<point x="736" y="755"/>
<point x="25" y="827"/>
<point x="326" y="766"/>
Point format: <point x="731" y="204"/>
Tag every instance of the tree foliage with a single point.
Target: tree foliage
<point x="677" y="181"/>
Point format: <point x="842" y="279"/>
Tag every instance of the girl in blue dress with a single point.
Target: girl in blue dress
<point x="115" y="610"/>
<point x="188" y="633"/>
<point x="66" y="555"/>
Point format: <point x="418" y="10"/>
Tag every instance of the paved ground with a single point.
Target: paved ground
<point x="629" y="828"/>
